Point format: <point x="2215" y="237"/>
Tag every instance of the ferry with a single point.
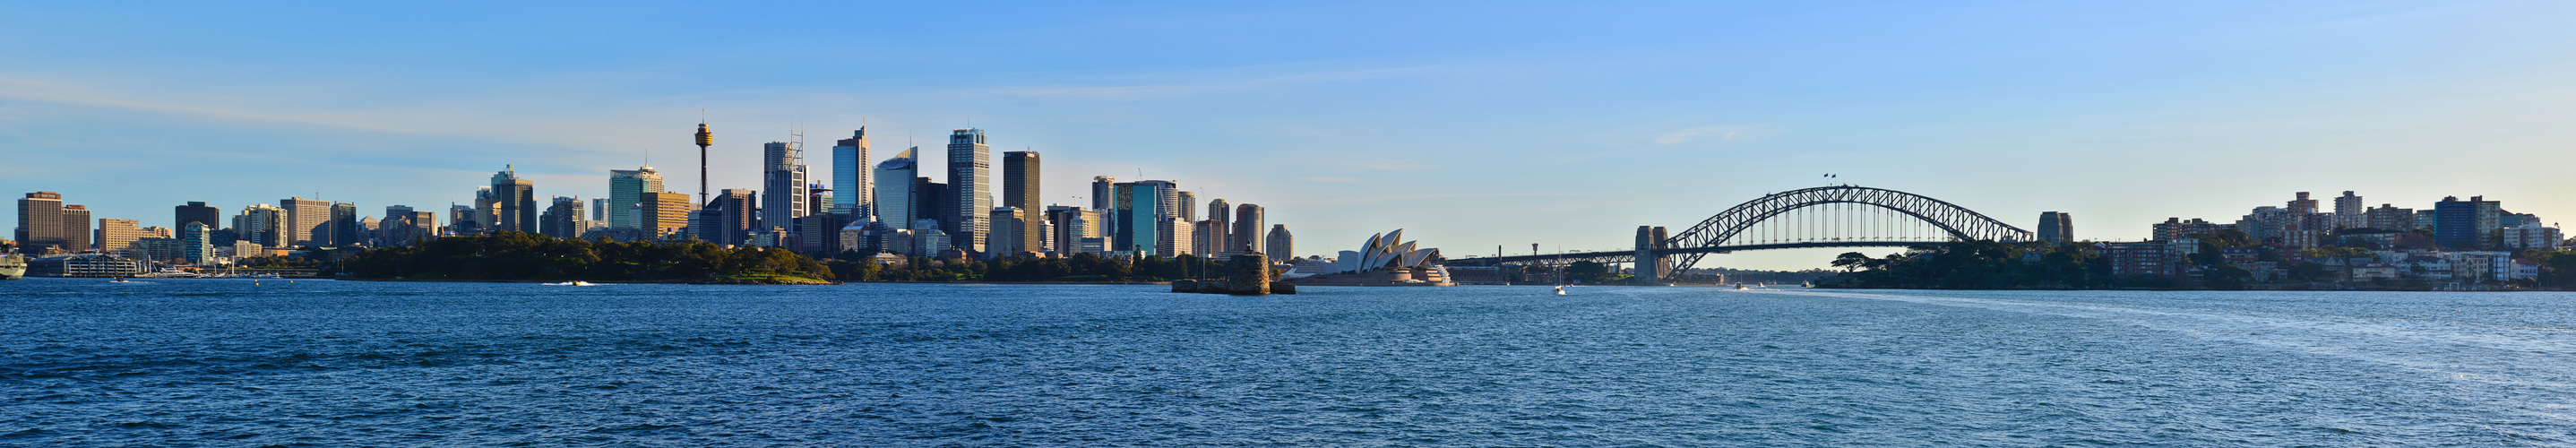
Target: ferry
<point x="12" y="266"/>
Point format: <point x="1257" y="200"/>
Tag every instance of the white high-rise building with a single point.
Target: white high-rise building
<point x="850" y="174"/>
<point x="2350" y="213"/>
<point x="894" y="189"/>
<point x="626" y="190"/>
<point x="970" y="178"/>
<point x="1176" y="237"/>
<point x="783" y="190"/>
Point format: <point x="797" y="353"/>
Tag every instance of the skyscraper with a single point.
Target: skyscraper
<point x="460" y="220"/>
<point x="1176" y="237"/>
<point x="197" y="243"/>
<point x="403" y="226"/>
<point x="1223" y="214"/>
<point x="894" y="195"/>
<point x="970" y="180"/>
<point x="514" y="201"/>
<point x="1207" y="237"/>
<point x="819" y="234"/>
<point x="1248" y="224"/>
<point x="485" y="218"/>
<point x="2059" y="227"/>
<point x="562" y="219"/>
<point x="728" y="219"/>
<point x="344" y="229"/>
<point x="40" y="223"/>
<point x="1020" y="190"/>
<point x="1006" y="239"/>
<point x="850" y="172"/>
<point x="627" y="190"/>
<point x="1281" y="245"/>
<point x="196" y="212"/>
<point x="663" y="214"/>
<point x="261" y="224"/>
<point x="1138" y="219"/>
<point x="1100" y="192"/>
<point x="76" y="228"/>
<point x="783" y="194"/>
<point x="307" y="223"/>
<point x="1076" y="230"/>
<point x="114" y="235"/>
<point x="1187" y="207"/>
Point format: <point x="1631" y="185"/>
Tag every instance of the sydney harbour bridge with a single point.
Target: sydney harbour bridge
<point x="1833" y="216"/>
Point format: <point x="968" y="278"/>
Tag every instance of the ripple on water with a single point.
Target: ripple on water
<point x="342" y="363"/>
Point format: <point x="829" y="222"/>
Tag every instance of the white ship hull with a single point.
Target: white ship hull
<point x="13" y="266"/>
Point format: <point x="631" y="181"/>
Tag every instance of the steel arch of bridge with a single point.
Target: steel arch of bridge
<point x="1714" y="234"/>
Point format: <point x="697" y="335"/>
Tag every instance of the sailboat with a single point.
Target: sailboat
<point x="1560" y="290"/>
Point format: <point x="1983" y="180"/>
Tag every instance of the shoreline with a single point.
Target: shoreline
<point x="614" y="282"/>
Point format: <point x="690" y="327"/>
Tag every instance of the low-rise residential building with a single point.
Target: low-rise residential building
<point x="2374" y="271"/>
<point x="2480" y="266"/>
<point x="2142" y="258"/>
<point x="2531" y="235"/>
<point x="2177" y="228"/>
<point x="2240" y="255"/>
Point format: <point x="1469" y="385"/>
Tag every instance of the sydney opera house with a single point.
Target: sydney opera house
<point x="1383" y="261"/>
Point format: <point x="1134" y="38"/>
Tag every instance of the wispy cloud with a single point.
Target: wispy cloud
<point x="1720" y="132"/>
<point x="1182" y="88"/>
<point x="1369" y="199"/>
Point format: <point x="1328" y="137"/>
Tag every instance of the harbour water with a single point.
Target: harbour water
<point x="321" y="363"/>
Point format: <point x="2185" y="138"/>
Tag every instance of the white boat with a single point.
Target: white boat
<point x="12" y="266"/>
<point x="570" y="283"/>
<point x="1560" y="290"/>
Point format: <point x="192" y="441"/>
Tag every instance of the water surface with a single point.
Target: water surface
<point x="319" y="363"/>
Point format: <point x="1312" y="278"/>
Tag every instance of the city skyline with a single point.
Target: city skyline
<point x="2120" y="116"/>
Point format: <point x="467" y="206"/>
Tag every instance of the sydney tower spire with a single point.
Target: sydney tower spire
<point x="704" y="138"/>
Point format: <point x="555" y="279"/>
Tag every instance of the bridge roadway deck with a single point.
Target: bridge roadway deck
<point x="1627" y="256"/>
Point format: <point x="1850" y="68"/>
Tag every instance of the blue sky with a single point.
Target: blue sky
<point x="1472" y="124"/>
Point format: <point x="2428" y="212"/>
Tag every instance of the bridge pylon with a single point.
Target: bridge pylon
<point x="1651" y="264"/>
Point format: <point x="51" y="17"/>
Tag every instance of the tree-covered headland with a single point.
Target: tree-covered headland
<point x="2042" y="265"/>
<point x="516" y="256"/>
